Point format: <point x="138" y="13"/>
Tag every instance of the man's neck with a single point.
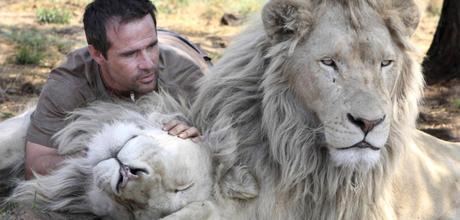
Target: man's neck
<point x="112" y="90"/>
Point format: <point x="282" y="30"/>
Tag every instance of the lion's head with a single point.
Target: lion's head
<point x="338" y="70"/>
<point x="347" y="62"/>
<point x="325" y="92"/>
<point x="147" y="170"/>
<point x="132" y="168"/>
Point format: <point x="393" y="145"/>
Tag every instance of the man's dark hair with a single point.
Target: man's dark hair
<point x="99" y="12"/>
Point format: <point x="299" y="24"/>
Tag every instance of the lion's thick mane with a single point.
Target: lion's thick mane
<point x="278" y="137"/>
<point x="73" y="191"/>
<point x="64" y="192"/>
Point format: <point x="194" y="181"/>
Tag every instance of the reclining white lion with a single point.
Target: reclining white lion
<point x="324" y="97"/>
<point x="132" y="168"/>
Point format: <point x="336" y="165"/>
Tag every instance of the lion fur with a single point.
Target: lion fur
<point x="276" y="135"/>
<point x="67" y="193"/>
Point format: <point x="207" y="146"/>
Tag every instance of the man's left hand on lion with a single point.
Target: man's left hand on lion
<point x="182" y="130"/>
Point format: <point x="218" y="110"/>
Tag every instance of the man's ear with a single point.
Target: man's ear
<point x="96" y="54"/>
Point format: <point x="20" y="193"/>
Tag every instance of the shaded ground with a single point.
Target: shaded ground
<point x="440" y="112"/>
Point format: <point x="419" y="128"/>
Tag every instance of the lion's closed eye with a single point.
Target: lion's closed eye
<point x="184" y="187"/>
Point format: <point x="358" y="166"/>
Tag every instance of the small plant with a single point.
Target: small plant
<point x="29" y="56"/>
<point x="170" y="6"/>
<point x="64" y="47"/>
<point x="29" y="38"/>
<point x="4" y="116"/>
<point x="6" y="211"/>
<point x="53" y="15"/>
<point x="456" y="103"/>
<point x="31" y="47"/>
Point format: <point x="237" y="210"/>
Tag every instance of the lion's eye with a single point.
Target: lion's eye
<point x="328" y="62"/>
<point x="386" y="63"/>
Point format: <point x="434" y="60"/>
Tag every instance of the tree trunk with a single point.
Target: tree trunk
<point x="443" y="58"/>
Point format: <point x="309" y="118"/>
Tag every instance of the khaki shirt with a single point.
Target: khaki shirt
<point x="77" y="82"/>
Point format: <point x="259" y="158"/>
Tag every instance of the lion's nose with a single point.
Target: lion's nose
<point x="365" y="124"/>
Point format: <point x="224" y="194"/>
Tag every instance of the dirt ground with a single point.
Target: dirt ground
<point x="19" y="84"/>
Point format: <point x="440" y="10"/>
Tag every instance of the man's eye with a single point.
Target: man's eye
<point x="328" y="62"/>
<point x="131" y="54"/>
<point x="386" y="63"/>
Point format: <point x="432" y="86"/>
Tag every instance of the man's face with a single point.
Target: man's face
<point x="132" y="62"/>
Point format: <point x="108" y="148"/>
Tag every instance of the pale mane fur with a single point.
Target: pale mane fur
<point x="278" y="138"/>
<point x="70" y="191"/>
<point x="64" y="192"/>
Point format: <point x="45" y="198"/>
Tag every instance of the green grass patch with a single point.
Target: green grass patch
<point x="5" y="211"/>
<point x="456" y="103"/>
<point x="37" y="47"/>
<point x="4" y="116"/>
<point x="53" y="15"/>
<point x="170" y="6"/>
<point x="29" y="56"/>
<point x="241" y="7"/>
<point x="64" y="47"/>
<point x="28" y="37"/>
<point x="31" y="46"/>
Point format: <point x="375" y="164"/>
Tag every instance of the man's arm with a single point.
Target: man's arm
<point x="40" y="159"/>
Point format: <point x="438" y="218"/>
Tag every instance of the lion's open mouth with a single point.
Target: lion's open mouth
<point x="361" y="145"/>
<point x="127" y="173"/>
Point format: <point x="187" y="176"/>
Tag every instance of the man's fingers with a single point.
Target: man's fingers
<point x="179" y="128"/>
<point x="191" y="132"/>
<point x="197" y="139"/>
<point x="171" y="124"/>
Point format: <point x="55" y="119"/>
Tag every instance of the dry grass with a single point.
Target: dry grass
<point x="200" y="20"/>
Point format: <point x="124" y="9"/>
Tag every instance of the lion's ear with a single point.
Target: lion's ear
<point x="285" y="19"/>
<point x="409" y="15"/>
<point x="239" y="183"/>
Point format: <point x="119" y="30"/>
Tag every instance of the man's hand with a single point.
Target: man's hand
<point x="182" y="130"/>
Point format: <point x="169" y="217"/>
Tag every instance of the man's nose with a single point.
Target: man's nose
<point x="146" y="60"/>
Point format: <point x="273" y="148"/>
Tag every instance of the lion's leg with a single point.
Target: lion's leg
<point x="196" y="211"/>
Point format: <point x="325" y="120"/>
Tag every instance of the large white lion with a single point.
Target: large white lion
<point x="324" y="97"/>
<point x="132" y="168"/>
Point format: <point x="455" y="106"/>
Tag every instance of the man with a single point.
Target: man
<point x="123" y="60"/>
